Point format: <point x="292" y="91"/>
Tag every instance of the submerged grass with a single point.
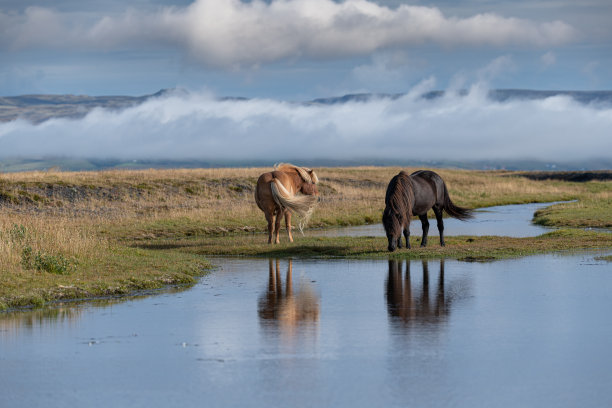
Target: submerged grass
<point x="67" y="235"/>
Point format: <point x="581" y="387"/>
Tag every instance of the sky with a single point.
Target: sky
<point x="281" y="51"/>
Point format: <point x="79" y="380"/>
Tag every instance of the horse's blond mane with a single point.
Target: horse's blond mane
<point x="301" y="204"/>
<point x="304" y="172"/>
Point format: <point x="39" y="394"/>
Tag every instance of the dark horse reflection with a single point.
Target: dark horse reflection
<point x="416" y="304"/>
<point x="285" y="307"/>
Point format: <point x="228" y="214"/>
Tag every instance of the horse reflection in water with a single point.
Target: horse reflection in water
<point x="413" y="304"/>
<point x="284" y="308"/>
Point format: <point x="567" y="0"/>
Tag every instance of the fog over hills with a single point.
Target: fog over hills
<point x="473" y="128"/>
<point x="39" y="108"/>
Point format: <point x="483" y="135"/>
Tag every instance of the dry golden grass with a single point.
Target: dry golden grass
<point x="223" y="198"/>
<point x="60" y="236"/>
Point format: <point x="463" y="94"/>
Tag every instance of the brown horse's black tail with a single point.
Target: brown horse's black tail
<point x="455" y="211"/>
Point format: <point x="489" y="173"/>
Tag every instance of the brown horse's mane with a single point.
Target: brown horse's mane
<point x="304" y="172"/>
<point x="400" y="196"/>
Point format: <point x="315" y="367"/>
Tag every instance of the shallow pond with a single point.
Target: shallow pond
<point x="506" y="220"/>
<point x="265" y="333"/>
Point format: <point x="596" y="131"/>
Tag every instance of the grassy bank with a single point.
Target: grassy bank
<point x="457" y="247"/>
<point x="89" y="234"/>
<point x="43" y="262"/>
<point x="592" y="210"/>
<point x="46" y="258"/>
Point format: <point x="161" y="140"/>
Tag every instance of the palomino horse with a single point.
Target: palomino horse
<point x="285" y="190"/>
<point x="415" y="194"/>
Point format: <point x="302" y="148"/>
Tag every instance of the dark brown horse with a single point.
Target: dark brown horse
<point x="285" y="190"/>
<point x="415" y="194"/>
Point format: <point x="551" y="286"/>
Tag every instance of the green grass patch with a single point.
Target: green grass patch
<point x="468" y="248"/>
<point x="121" y="271"/>
<point x="43" y="262"/>
<point x="585" y="213"/>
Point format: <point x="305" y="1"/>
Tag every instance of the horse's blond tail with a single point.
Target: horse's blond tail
<point x="300" y="204"/>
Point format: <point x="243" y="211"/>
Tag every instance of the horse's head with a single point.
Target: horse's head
<point x="309" y="187"/>
<point x="393" y="227"/>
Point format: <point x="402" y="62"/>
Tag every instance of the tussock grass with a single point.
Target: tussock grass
<point x="46" y="259"/>
<point x="59" y="237"/>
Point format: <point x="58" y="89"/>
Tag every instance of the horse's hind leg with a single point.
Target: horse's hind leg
<point x="277" y="224"/>
<point x="438" y="212"/>
<point x="425" y="225"/>
<point x="288" y="224"/>
<point x="270" y="219"/>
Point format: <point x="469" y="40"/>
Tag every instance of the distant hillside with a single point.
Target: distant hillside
<point x="39" y="108"/>
<point x="500" y="95"/>
<point x="74" y="164"/>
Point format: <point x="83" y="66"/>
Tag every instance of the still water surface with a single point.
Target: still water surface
<point x="531" y="332"/>
<point x="505" y="220"/>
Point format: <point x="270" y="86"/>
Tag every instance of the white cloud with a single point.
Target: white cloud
<point x="231" y="33"/>
<point x="197" y="126"/>
<point x="36" y="26"/>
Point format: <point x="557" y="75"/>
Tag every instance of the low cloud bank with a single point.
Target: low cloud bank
<point x="233" y="33"/>
<point x="198" y="126"/>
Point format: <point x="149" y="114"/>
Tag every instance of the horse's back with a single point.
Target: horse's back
<point x="428" y="188"/>
<point x="426" y="175"/>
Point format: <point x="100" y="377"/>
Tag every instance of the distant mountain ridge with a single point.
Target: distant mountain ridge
<point x="80" y="164"/>
<point x="499" y="95"/>
<point x="39" y="108"/>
